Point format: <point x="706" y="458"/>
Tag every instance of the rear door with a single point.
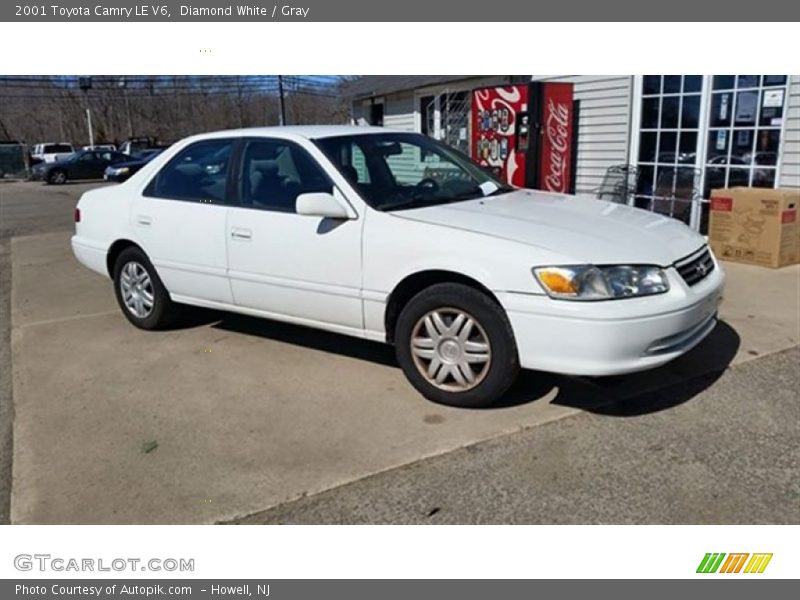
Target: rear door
<point x="180" y="218"/>
<point x="304" y="267"/>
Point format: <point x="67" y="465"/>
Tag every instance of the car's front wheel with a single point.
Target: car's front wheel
<point x="57" y="177"/>
<point x="142" y="297"/>
<point x="455" y="345"/>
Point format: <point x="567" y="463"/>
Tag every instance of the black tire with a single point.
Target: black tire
<point x="163" y="310"/>
<point x="57" y="177"/>
<point x="493" y="323"/>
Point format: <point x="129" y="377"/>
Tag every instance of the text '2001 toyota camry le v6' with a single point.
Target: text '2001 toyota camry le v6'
<point x="394" y="237"/>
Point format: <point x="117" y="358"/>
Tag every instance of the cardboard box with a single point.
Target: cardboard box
<point x="757" y="226"/>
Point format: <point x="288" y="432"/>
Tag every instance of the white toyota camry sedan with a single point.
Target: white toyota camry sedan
<point x="394" y="237"/>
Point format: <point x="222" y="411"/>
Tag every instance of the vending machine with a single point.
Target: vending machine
<point x="527" y="134"/>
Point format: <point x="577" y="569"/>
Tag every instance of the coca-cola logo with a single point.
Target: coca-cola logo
<point x="557" y="143"/>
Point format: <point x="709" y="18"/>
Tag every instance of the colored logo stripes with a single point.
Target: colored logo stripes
<point x="717" y="562"/>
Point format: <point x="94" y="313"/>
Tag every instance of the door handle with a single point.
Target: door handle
<point x="241" y="234"/>
<point x="144" y="220"/>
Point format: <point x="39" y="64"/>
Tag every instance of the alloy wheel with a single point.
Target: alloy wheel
<point x="136" y="289"/>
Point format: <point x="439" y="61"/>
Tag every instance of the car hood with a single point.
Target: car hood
<point x="582" y="229"/>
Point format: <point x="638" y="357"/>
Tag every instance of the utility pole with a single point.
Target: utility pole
<point x="85" y="83"/>
<point x="123" y="83"/>
<point x="281" y="101"/>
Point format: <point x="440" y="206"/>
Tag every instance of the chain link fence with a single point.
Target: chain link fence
<point x="13" y="163"/>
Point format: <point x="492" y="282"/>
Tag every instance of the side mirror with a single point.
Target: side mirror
<point x="321" y="204"/>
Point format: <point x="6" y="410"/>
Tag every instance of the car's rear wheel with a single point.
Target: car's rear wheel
<point x="140" y="293"/>
<point x="455" y="345"/>
<point x="57" y="177"/>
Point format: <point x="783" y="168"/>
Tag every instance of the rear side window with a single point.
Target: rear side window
<point x="57" y="149"/>
<point x="199" y="173"/>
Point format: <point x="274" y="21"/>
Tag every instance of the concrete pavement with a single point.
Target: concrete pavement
<point x="227" y="416"/>
<point x="245" y="414"/>
<point x="25" y="209"/>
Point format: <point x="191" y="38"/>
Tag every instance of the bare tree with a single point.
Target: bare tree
<point x="40" y="109"/>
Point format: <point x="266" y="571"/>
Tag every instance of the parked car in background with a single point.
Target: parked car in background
<point x="394" y="237"/>
<point x="137" y="145"/>
<point x="85" y="164"/>
<point x="111" y="147"/>
<point x="122" y="171"/>
<point x="50" y="152"/>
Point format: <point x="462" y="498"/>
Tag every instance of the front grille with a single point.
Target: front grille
<point x="695" y="267"/>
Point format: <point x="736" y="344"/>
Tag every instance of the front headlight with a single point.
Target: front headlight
<point x="120" y="171"/>
<point x="587" y="282"/>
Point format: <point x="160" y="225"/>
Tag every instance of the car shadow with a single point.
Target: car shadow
<point x="621" y="396"/>
<point x="640" y="393"/>
<point x="307" y="337"/>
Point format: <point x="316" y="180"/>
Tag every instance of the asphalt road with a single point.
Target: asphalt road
<point x="25" y="209"/>
<point x="730" y="454"/>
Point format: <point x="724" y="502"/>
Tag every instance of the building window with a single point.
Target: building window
<point x="446" y="118"/>
<point x="427" y="110"/>
<point x="744" y="131"/>
<point x="668" y="144"/>
<point x="376" y="114"/>
<point x="698" y="133"/>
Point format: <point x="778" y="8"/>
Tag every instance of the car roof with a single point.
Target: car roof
<point x="302" y="131"/>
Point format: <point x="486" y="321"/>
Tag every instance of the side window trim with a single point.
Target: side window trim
<point x="149" y="189"/>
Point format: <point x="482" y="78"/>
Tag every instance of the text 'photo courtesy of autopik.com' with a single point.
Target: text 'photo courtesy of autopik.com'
<point x="361" y="293"/>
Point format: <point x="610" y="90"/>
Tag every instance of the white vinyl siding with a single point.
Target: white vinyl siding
<point x="604" y="124"/>
<point x="398" y="113"/>
<point x="789" y="171"/>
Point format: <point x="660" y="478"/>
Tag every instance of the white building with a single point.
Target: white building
<point x="708" y="130"/>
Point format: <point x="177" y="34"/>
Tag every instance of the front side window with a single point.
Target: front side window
<point x="396" y="170"/>
<point x="198" y="173"/>
<point x="276" y="172"/>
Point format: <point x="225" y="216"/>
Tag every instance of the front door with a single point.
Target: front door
<point x="180" y="217"/>
<point x="283" y="263"/>
<point x="85" y="166"/>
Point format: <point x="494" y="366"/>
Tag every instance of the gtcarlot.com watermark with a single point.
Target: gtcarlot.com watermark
<point x="58" y="564"/>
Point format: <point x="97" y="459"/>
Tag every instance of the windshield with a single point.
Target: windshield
<point x="395" y="171"/>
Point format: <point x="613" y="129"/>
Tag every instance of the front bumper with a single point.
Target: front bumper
<point x="614" y="337"/>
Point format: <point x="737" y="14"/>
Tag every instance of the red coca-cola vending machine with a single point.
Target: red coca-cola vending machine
<point x="527" y="134"/>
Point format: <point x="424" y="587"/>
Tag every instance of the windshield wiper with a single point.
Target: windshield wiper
<point x="421" y="202"/>
<point x="413" y="203"/>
